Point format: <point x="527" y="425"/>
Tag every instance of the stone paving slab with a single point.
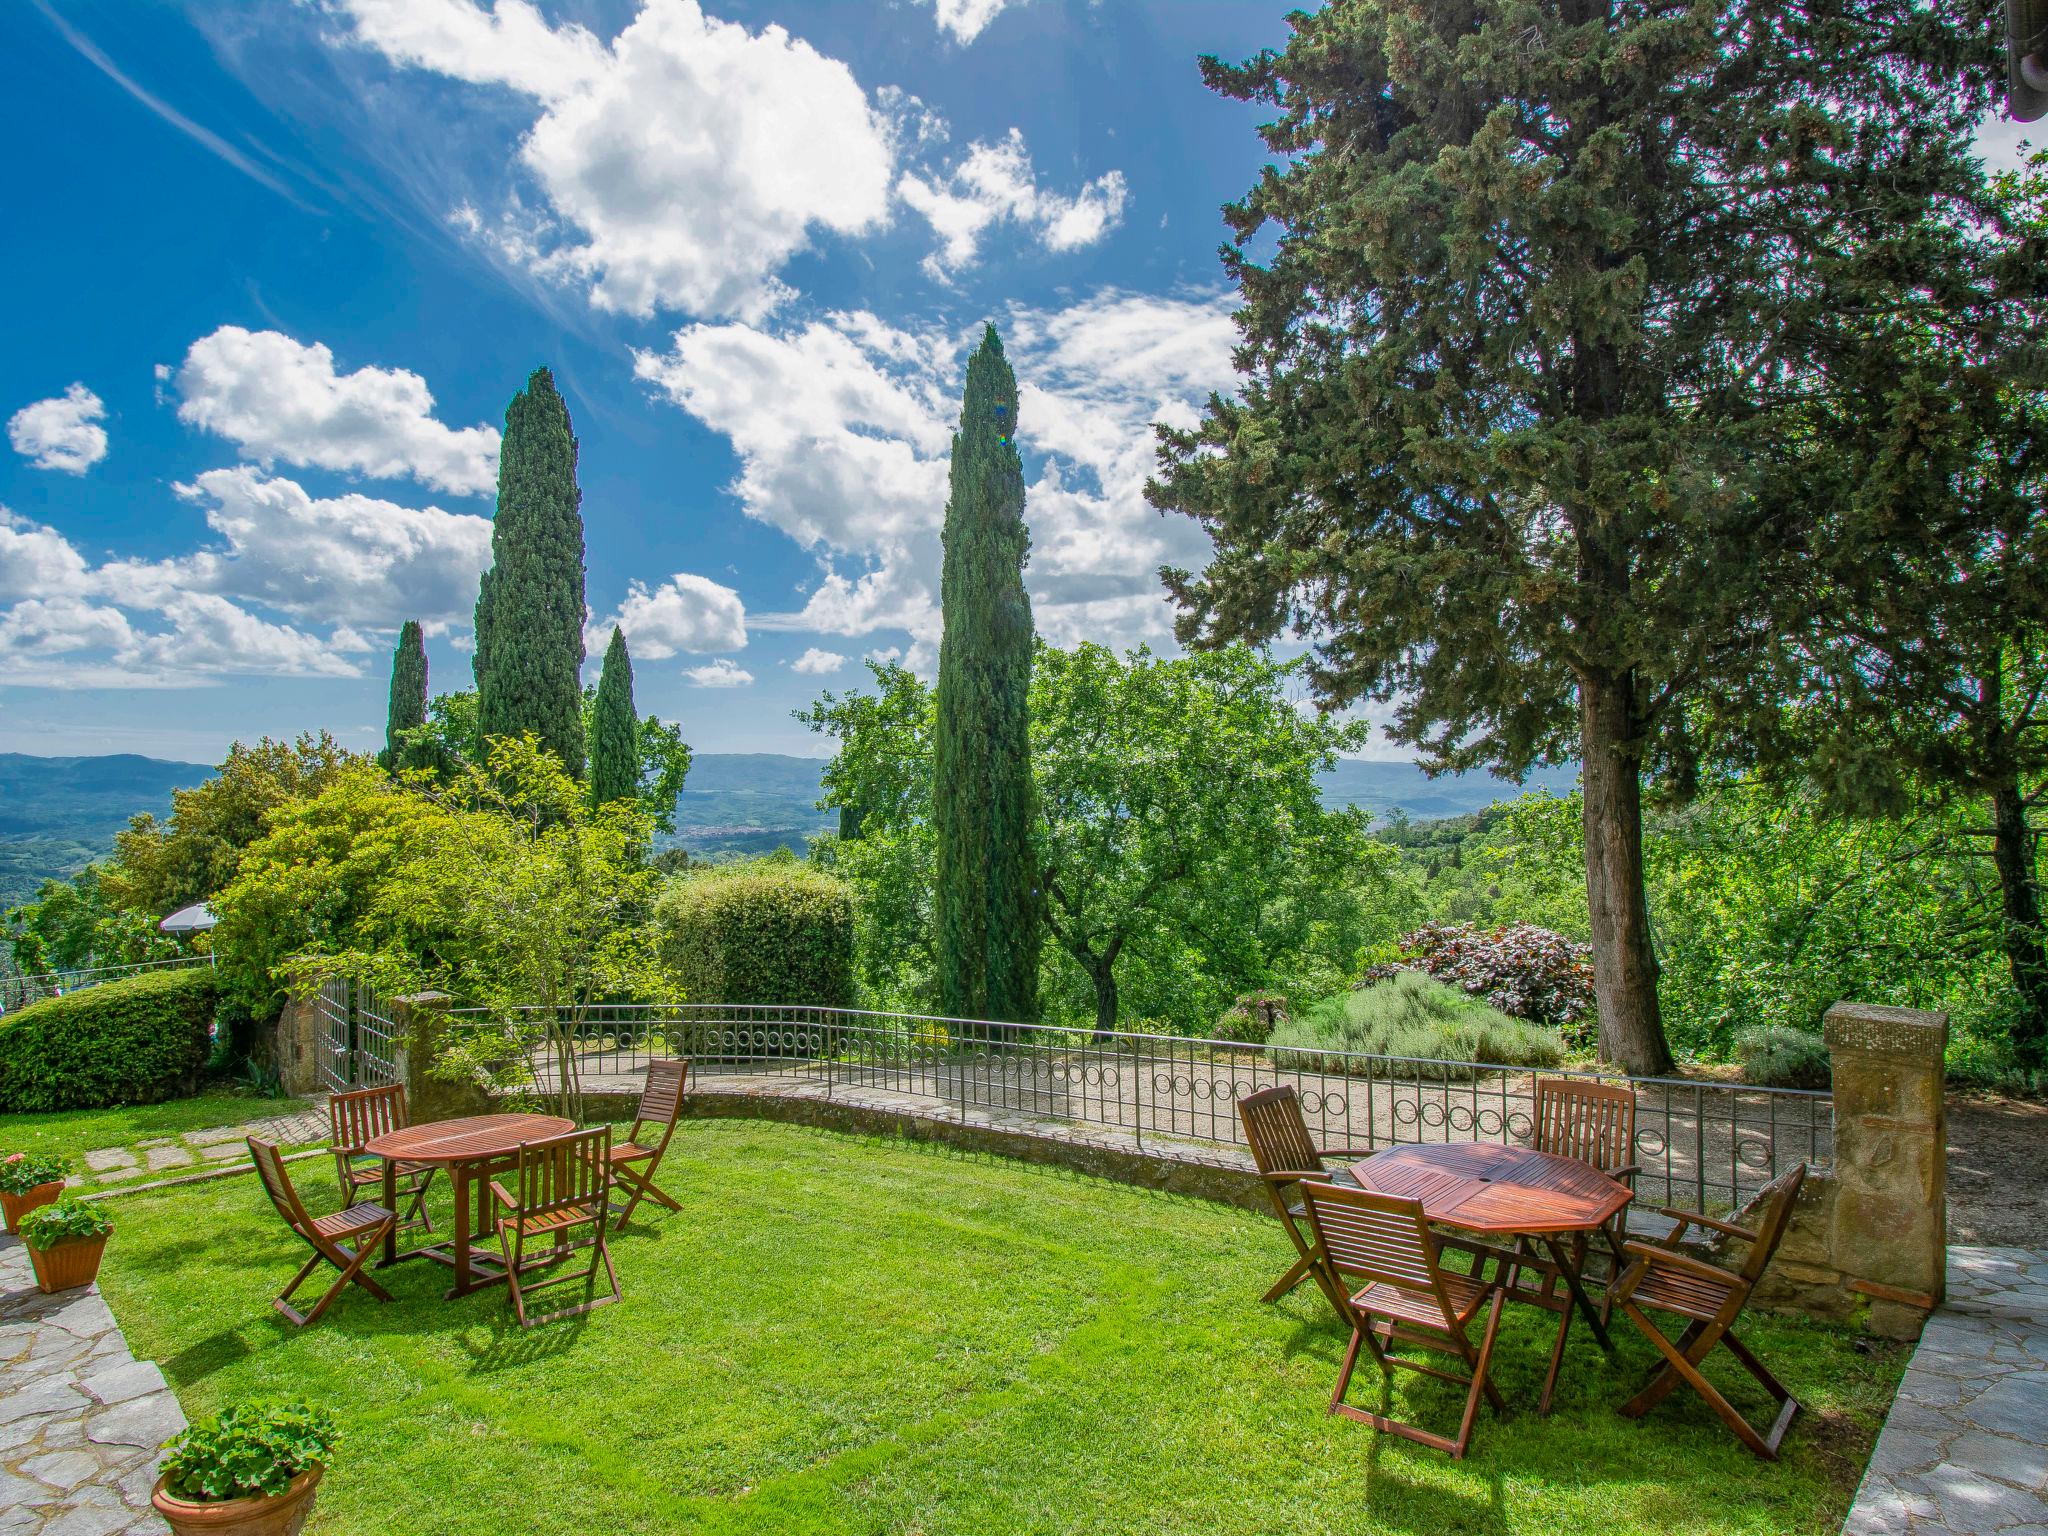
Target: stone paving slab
<point x="81" y="1419"/>
<point x="193" y="1150"/>
<point x="1964" y="1451"/>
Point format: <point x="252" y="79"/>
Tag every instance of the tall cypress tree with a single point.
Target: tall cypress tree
<point x="987" y="901"/>
<point x="614" y="729"/>
<point x="408" y="707"/>
<point x="529" y="614"/>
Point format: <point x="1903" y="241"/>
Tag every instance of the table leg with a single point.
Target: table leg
<point x="1558" y="1254"/>
<point x="459" y="1174"/>
<point x="390" y="1204"/>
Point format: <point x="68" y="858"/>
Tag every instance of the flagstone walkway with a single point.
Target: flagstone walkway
<point x="164" y="1157"/>
<point x="1965" y="1449"/>
<point x="81" y="1419"/>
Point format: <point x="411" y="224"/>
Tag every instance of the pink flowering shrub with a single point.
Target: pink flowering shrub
<point x="1525" y="971"/>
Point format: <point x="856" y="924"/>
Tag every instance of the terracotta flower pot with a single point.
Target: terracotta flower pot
<point x="264" y="1514"/>
<point x="18" y="1206"/>
<point x="65" y="1265"/>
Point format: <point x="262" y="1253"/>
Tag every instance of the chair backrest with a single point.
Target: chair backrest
<point x="1593" y="1122"/>
<point x="1276" y="1132"/>
<point x="662" y="1099"/>
<point x="364" y="1113"/>
<point x="1372" y="1236"/>
<point x="278" y="1184"/>
<point x="1776" y="1200"/>
<point x="574" y="1168"/>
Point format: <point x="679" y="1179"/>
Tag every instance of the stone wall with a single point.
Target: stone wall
<point x="294" y="1047"/>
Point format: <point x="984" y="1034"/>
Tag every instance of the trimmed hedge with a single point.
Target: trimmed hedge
<point x="769" y="932"/>
<point x="137" y="1041"/>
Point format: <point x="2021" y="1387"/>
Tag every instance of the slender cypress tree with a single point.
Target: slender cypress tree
<point x="614" y="729"/>
<point x="408" y="708"/>
<point x="987" y="901"/>
<point x="529" y="614"/>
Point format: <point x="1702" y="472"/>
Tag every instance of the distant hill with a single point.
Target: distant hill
<point x="56" y="813"/>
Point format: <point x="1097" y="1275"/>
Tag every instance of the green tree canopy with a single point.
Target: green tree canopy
<point x="407" y="712"/>
<point x="614" y="728"/>
<point x="529" y="611"/>
<point x="1530" y="291"/>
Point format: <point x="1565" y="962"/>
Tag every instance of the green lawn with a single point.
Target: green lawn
<point x="843" y="1335"/>
<point x="73" y="1133"/>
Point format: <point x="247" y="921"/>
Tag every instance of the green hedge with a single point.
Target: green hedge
<point x="767" y="932"/>
<point x="1415" y="1017"/>
<point x="137" y="1041"/>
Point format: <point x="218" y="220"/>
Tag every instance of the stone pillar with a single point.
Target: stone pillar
<point x="421" y="1021"/>
<point x="1889" y="1223"/>
<point x="294" y="1048"/>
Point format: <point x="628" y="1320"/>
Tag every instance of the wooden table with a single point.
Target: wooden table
<point x="1514" y="1192"/>
<point x="471" y="1149"/>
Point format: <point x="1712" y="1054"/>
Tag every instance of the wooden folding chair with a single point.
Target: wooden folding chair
<point x="354" y="1118"/>
<point x="364" y="1226"/>
<point x="1711" y="1298"/>
<point x="1286" y="1155"/>
<point x="1408" y="1297"/>
<point x="565" y="1183"/>
<point x="661" y="1105"/>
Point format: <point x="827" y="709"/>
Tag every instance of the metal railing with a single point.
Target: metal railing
<point x="358" y="1040"/>
<point x="18" y="991"/>
<point x="1705" y="1144"/>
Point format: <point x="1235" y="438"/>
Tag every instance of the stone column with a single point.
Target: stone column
<point x="421" y="1021"/>
<point x="1889" y="1224"/>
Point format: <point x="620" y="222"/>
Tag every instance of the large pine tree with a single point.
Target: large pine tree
<point x="407" y="710"/>
<point x="614" y="728"/>
<point x="1527" y="293"/>
<point x="988" y="918"/>
<point x="529" y="614"/>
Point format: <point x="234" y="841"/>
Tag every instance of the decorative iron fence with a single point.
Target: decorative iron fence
<point x="18" y="991"/>
<point x="358" y="1041"/>
<point x="1705" y="1144"/>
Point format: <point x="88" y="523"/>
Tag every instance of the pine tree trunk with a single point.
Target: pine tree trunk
<point x="1624" y="963"/>
<point x="2025" y="950"/>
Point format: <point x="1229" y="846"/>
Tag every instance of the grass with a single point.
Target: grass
<point x="73" y="1133"/>
<point x="852" y="1336"/>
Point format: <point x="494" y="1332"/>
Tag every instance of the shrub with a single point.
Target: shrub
<point x="1524" y="971"/>
<point x="247" y="1450"/>
<point x="765" y="931"/>
<point x="70" y="1220"/>
<point x="137" y="1041"/>
<point x="1412" y="1015"/>
<point x="1779" y="1056"/>
<point x="1251" y="1019"/>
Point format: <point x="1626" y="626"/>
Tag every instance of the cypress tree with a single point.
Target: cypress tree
<point x="408" y="707"/>
<point x="614" y="729"/>
<point x="987" y="902"/>
<point x="529" y="614"/>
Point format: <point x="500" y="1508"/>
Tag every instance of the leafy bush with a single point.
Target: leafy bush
<point x="137" y="1041"/>
<point x="1411" y="1015"/>
<point x="1251" y="1019"/>
<point x="1778" y="1056"/>
<point x="764" y="931"/>
<point x="24" y="1171"/>
<point x="247" y="1450"/>
<point x="1524" y="971"/>
<point x="70" y="1220"/>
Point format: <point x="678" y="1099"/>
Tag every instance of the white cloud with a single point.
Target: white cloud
<point x="844" y="425"/>
<point x="817" y="663"/>
<point x="36" y="561"/>
<point x="684" y="613"/>
<point x="277" y="398"/>
<point x="719" y="674"/>
<point x="963" y="20"/>
<point x="684" y="163"/>
<point x="997" y="182"/>
<point x="63" y="432"/>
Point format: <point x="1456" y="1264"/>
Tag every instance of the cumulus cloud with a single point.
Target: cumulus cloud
<point x="843" y="427"/>
<point x="278" y="398"/>
<point x="996" y="182"/>
<point x="963" y="20"/>
<point x="817" y="663"/>
<point x="719" y="674"/>
<point x="63" y="432"/>
<point x="684" y="613"/>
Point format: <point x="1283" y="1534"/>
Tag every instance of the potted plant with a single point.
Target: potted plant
<point x="251" y="1472"/>
<point x="65" y="1242"/>
<point x="27" y="1180"/>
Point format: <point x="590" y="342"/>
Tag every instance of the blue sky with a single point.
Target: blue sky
<point x="275" y="270"/>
